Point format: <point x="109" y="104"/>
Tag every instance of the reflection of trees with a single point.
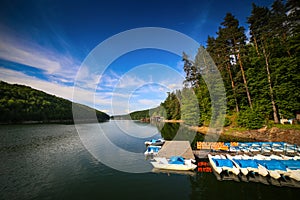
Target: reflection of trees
<point x="207" y="186"/>
<point x="159" y="125"/>
<point x="175" y="131"/>
<point x="198" y="186"/>
<point x="169" y="130"/>
<point x="198" y="137"/>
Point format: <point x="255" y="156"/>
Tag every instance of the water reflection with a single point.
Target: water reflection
<point x="169" y="130"/>
<point x="177" y="131"/>
<point x="207" y="186"/>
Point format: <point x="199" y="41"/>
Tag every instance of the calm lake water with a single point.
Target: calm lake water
<point x="51" y="162"/>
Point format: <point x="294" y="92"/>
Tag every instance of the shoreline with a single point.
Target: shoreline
<point x="265" y="134"/>
<point x="173" y="121"/>
<point x="67" y="122"/>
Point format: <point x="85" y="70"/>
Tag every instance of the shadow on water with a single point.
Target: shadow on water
<point x="176" y="131"/>
<point x="169" y="130"/>
<point x="206" y="186"/>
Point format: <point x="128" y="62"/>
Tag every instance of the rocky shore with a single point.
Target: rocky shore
<point x="265" y="134"/>
<point x="273" y="134"/>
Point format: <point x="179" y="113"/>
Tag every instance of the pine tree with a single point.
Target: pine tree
<point x="219" y="52"/>
<point x="234" y="37"/>
<point x="293" y="14"/>
<point x="190" y="108"/>
<point x="260" y="32"/>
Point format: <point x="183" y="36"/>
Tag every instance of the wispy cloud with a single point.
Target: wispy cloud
<point x="17" y="77"/>
<point x="140" y="88"/>
<point x="179" y="67"/>
<point x="59" y="67"/>
<point x="248" y="35"/>
<point x="130" y="81"/>
<point x="149" y="102"/>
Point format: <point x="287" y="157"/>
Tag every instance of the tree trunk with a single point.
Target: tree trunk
<point x="233" y="88"/>
<point x="256" y="46"/>
<point x="244" y="79"/>
<point x="275" y="112"/>
<point x="284" y="43"/>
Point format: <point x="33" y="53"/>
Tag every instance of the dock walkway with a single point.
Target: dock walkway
<point x="176" y="148"/>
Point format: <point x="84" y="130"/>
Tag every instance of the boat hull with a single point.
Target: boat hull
<point x="173" y="166"/>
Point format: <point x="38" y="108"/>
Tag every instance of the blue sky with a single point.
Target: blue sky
<point x="44" y="42"/>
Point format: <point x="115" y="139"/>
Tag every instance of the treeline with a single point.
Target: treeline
<point x="20" y="103"/>
<point x="136" y="115"/>
<point x="261" y="74"/>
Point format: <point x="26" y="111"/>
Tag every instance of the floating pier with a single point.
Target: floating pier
<point x="176" y="148"/>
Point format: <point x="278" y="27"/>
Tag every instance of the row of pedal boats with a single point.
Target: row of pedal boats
<point x="264" y="147"/>
<point x="252" y="147"/>
<point x="275" y="166"/>
<point x="153" y="146"/>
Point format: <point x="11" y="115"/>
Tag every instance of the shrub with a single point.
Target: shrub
<point x="227" y="121"/>
<point x="250" y="119"/>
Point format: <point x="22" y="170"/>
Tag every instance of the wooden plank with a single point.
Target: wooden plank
<point x="176" y="148"/>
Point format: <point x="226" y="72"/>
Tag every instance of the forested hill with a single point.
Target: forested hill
<point x="261" y="74"/>
<point x="137" y="115"/>
<point x="20" y="103"/>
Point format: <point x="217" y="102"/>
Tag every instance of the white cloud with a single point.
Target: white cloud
<point x="61" y="67"/>
<point x="16" y="77"/>
<point x="110" y="102"/>
<point x="13" y="76"/>
<point x="248" y="35"/>
<point x="114" y="93"/>
<point x="162" y="89"/>
<point x="128" y="81"/>
<point x="149" y="102"/>
<point x="179" y="67"/>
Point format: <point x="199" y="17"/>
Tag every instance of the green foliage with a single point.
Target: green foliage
<point x="190" y="107"/>
<point x="250" y="119"/>
<point x="227" y="121"/>
<point x="21" y="103"/>
<point x="137" y="115"/>
<point x="172" y="105"/>
<point x="261" y="78"/>
<point x="287" y="126"/>
<point x="169" y="130"/>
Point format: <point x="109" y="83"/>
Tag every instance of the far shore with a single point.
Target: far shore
<point x="173" y="121"/>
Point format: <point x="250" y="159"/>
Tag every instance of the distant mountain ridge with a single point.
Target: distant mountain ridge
<point x="23" y="104"/>
<point x="140" y="114"/>
<point x="136" y="115"/>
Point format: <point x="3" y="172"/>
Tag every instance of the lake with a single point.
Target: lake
<point x="51" y="162"/>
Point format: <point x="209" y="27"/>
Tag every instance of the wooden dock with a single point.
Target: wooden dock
<point x="176" y="148"/>
<point x="201" y="154"/>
